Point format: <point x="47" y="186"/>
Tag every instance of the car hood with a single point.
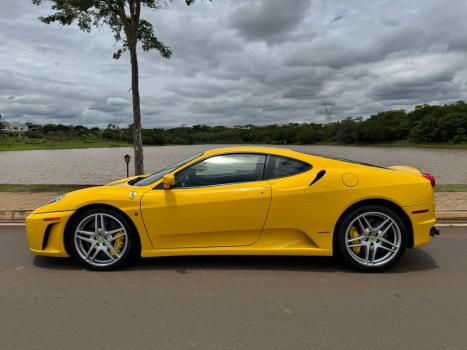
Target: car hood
<point x="128" y="181"/>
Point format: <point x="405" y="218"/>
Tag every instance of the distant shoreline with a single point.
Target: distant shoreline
<point x="425" y="126"/>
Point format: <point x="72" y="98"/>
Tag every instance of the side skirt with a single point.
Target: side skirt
<point x="236" y="251"/>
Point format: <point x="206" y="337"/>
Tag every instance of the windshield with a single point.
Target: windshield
<point x="158" y="175"/>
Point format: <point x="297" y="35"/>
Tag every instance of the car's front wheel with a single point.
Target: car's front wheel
<point x="101" y="239"/>
<point x="371" y="238"/>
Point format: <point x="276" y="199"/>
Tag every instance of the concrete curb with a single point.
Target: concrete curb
<point x="13" y="215"/>
<point x="454" y="215"/>
<point x="20" y="215"/>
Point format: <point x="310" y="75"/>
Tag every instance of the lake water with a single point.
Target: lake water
<point x="101" y="165"/>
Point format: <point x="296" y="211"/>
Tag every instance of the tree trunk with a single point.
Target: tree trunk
<point x="137" y="135"/>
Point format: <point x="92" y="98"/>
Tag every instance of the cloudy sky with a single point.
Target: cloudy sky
<point x="238" y="62"/>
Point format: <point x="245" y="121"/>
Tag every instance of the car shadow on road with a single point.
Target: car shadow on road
<point x="416" y="260"/>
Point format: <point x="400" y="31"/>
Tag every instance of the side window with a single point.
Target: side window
<point x="281" y="167"/>
<point x="223" y="169"/>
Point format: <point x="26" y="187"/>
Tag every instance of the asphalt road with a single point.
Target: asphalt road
<point x="234" y="302"/>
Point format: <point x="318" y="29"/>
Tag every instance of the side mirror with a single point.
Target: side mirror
<point x="168" y="181"/>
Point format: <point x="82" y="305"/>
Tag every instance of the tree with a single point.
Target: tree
<point x="123" y="17"/>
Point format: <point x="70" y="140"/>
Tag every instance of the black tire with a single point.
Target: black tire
<point x="356" y="257"/>
<point x="77" y="245"/>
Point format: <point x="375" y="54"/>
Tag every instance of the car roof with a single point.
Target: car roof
<point x="255" y="149"/>
<point x="286" y="152"/>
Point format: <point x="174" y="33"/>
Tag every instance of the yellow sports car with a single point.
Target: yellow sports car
<point x="244" y="201"/>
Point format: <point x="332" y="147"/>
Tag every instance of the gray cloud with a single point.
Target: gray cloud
<point x="238" y="62"/>
<point x="432" y="82"/>
<point x="269" y="20"/>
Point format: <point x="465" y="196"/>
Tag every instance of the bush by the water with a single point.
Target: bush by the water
<point x="425" y="124"/>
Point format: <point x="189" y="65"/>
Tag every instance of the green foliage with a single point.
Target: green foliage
<point x="448" y="128"/>
<point x="121" y="16"/>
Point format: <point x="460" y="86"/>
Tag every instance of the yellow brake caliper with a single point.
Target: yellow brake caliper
<point x="118" y="245"/>
<point x="353" y="234"/>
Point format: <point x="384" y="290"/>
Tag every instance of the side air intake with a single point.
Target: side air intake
<point x="320" y="174"/>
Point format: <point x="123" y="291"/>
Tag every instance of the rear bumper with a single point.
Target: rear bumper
<point x="45" y="233"/>
<point x="423" y="221"/>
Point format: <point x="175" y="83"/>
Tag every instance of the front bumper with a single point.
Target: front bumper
<point x="45" y="233"/>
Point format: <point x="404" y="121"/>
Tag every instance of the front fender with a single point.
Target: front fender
<point x="125" y="198"/>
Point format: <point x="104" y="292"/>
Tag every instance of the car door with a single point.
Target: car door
<point x="300" y="203"/>
<point x="220" y="201"/>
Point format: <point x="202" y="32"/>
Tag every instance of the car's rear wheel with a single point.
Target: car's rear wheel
<point x="101" y="239"/>
<point x="371" y="238"/>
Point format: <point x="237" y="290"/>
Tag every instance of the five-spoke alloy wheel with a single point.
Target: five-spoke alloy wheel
<point x="371" y="238"/>
<point x="101" y="239"/>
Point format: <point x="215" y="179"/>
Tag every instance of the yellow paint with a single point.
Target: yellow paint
<point x="284" y="216"/>
<point x="407" y="169"/>
<point x="350" y="180"/>
<point x="230" y="215"/>
<point x="35" y="230"/>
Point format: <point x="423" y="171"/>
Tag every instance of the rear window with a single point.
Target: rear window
<point x="278" y="166"/>
<point x="344" y="160"/>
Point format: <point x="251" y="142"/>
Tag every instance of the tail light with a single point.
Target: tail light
<point x="431" y="178"/>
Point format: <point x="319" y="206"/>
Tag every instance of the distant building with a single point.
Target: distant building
<point x="19" y="128"/>
<point x="34" y="127"/>
<point x="14" y="127"/>
<point x="248" y="126"/>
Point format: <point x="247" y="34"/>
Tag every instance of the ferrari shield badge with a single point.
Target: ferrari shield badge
<point x="132" y="195"/>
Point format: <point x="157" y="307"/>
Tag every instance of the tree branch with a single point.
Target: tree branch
<point x="138" y="12"/>
<point x="126" y="24"/>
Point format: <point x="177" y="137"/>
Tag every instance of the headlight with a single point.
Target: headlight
<point x="56" y="199"/>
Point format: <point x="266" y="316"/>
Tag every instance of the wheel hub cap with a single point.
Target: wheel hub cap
<point x="373" y="239"/>
<point x="101" y="239"/>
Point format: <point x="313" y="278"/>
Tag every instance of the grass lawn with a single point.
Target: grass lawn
<point x="424" y="145"/>
<point x="68" y="188"/>
<point x="22" y="146"/>
<point x="451" y="188"/>
<point x="41" y="188"/>
<point x="402" y="143"/>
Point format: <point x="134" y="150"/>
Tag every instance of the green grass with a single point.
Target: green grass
<point x="68" y="188"/>
<point x="41" y="188"/>
<point x="451" y="188"/>
<point x="22" y="146"/>
<point x="403" y="143"/>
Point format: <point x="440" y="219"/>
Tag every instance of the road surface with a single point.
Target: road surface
<point x="234" y="302"/>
